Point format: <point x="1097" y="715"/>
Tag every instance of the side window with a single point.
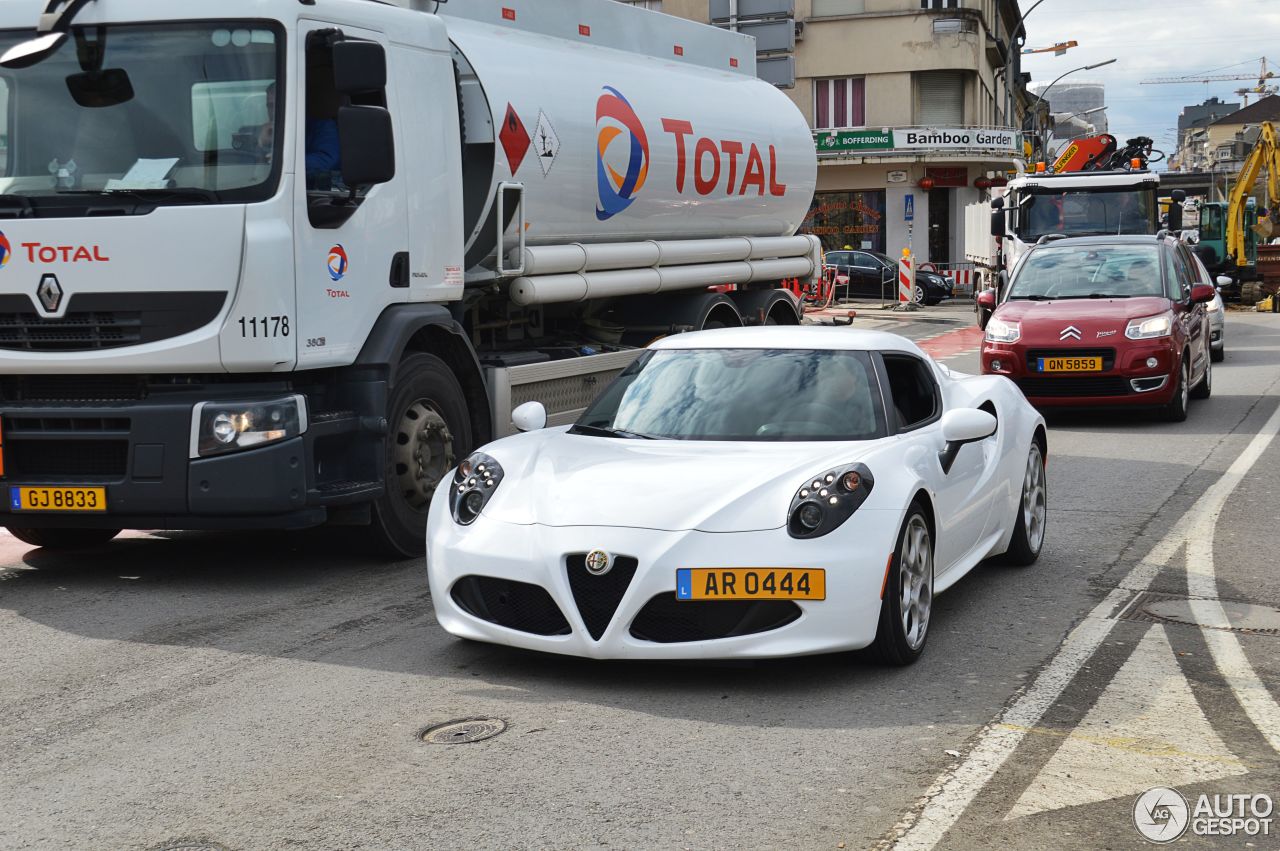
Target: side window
<point x="864" y="261"/>
<point x="1184" y="271"/>
<point x="913" y="391"/>
<point x="837" y="258"/>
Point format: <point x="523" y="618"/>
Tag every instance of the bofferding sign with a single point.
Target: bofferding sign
<point x="942" y="138"/>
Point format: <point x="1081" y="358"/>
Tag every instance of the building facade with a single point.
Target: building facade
<point x="913" y="109"/>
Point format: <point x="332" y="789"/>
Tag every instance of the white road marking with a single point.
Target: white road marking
<point x="1128" y="734"/>
<point x="954" y="790"/>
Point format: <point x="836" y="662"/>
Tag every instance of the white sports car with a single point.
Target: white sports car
<point x="740" y="493"/>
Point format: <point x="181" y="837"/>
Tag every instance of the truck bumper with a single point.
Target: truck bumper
<point x="139" y="452"/>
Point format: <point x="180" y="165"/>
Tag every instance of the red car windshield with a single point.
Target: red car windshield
<point x="1089" y="271"/>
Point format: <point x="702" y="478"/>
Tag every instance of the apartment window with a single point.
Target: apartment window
<point x="939" y="4"/>
<point x="840" y="102"/>
<point x="941" y="97"/>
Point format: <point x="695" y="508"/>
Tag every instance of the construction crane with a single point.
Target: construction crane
<point x="1263" y="87"/>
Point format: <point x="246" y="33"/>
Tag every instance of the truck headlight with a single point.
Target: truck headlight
<point x="221" y="427"/>
<point x="828" y="499"/>
<point x="999" y="331"/>
<point x="474" y="482"/>
<point x="1150" y="327"/>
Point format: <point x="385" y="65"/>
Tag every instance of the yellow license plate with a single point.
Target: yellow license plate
<point x="751" y="583"/>
<point x="57" y="499"/>
<point x="1089" y="364"/>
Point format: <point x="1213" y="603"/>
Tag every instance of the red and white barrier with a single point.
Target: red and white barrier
<point x="906" y="280"/>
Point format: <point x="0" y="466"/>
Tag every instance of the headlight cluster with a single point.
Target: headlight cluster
<point x="221" y="427"/>
<point x="828" y="499"/>
<point x="1150" y="327"/>
<point x="999" y="331"/>
<point x="474" y="482"/>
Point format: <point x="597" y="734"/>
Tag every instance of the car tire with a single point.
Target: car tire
<point x="1204" y="389"/>
<point x="1176" y="409"/>
<point x="919" y="296"/>
<point x="1032" y="513"/>
<point x="429" y="432"/>
<point x="64" y="539"/>
<point x="1218" y="355"/>
<point x="904" y="623"/>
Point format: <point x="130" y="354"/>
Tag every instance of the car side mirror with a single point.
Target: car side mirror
<point x="1224" y="281"/>
<point x="366" y="145"/>
<point x="1201" y="293"/>
<point x="531" y="416"/>
<point x="961" y="426"/>
<point x="987" y="299"/>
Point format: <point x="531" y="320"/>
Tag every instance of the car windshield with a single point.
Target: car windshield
<point x="1083" y="212"/>
<point x="176" y="114"/>
<point x="741" y="395"/>
<point x="1089" y="271"/>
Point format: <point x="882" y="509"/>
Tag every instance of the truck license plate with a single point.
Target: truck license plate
<point x="1089" y="364"/>
<point x="751" y="583"/>
<point x="39" y="498"/>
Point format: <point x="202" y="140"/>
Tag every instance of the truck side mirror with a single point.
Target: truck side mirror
<point x="997" y="217"/>
<point x="359" y="67"/>
<point x="367" y="145"/>
<point x="1175" y="209"/>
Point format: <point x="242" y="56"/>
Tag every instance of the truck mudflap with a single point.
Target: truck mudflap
<point x="137" y="452"/>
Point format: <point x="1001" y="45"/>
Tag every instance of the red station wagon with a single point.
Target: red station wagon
<point x="1104" y="321"/>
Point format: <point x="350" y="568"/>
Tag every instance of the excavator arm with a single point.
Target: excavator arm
<point x="1265" y="152"/>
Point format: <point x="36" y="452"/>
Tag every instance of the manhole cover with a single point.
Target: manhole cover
<point x="464" y="732"/>
<point x="1249" y="618"/>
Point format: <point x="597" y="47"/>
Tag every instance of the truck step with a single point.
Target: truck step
<point x="334" y="493"/>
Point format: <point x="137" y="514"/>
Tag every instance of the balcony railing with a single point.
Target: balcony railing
<point x="909" y="141"/>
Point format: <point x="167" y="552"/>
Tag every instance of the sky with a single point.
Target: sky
<point x="1154" y="38"/>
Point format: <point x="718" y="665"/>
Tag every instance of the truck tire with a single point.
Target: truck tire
<point x="429" y="432"/>
<point x="64" y="539"/>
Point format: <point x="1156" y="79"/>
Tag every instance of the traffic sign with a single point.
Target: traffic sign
<point x="909" y="214"/>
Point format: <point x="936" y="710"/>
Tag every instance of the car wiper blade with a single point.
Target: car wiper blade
<point x="1036" y="297"/>
<point x="1097" y="295"/>
<point x="604" y="431"/>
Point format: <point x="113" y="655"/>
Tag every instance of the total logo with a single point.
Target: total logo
<point x="38" y="252"/>
<point x="730" y="166"/>
<point x="337" y="263"/>
<point x="621" y="141"/>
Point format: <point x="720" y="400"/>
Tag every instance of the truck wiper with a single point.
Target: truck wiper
<point x="605" y="431"/>
<point x="183" y="192"/>
<point x="19" y="205"/>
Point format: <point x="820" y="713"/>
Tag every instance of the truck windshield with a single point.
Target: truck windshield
<point x="1089" y="271"/>
<point x="741" y="395"/>
<point x="1081" y="212"/>
<point x="169" y="114"/>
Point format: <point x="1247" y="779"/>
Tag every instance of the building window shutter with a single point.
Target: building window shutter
<point x="822" y="104"/>
<point x="858" y="102"/>
<point x="941" y="98"/>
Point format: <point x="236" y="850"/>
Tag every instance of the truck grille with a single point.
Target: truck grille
<point x="105" y="320"/>
<point x="85" y="460"/>
<point x="80" y="389"/>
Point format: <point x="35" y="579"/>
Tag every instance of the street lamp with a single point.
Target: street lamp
<point x="1060" y="118"/>
<point x="1008" y="64"/>
<point x="1045" y="90"/>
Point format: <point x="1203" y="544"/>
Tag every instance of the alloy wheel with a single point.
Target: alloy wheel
<point x="916" y="569"/>
<point x="1034" y="499"/>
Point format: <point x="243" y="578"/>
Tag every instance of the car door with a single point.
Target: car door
<point x="962" y="502"/>
<point x="835" y="263"/>
<point x="1191" y="317"/>
<point x="866" y="274"/>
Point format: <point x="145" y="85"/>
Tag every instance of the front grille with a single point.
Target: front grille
<point x="86" y="389"/>
<point x="105" y="320"/>
<point x="598" y="597"/>
<point x="515" y="605"/>
<point x="83" y="460"/>
<point x="16" y="426"/>
<point x="1102" y="385"/>
<point x="1033" y="356"/>
<point x="666" y="620"/>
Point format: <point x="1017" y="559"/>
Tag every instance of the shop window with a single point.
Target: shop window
<point x="853" y="219"/>
<point x="840" y="102"/>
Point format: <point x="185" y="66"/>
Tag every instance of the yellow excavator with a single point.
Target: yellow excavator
<point x="1233" y="235"/>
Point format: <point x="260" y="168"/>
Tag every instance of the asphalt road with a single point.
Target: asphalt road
<point x="268" y="691"/>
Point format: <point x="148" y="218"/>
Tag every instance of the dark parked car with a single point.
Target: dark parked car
<point x="870" y="273"/>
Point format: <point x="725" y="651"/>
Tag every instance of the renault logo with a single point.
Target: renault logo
<point x="1071" y="332"/>
<point x="599" y="562"/>
<point x="50" y="293"/>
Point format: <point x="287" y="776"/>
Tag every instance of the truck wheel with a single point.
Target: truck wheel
<point x="64" y="539"/>
<point x="429" y="432"/>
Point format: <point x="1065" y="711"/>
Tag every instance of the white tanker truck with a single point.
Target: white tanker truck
<point x="279" y="263"/>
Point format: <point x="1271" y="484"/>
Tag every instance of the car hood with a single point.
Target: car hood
<point x="554" y="478"/>
<point x="1044" y="321"/>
